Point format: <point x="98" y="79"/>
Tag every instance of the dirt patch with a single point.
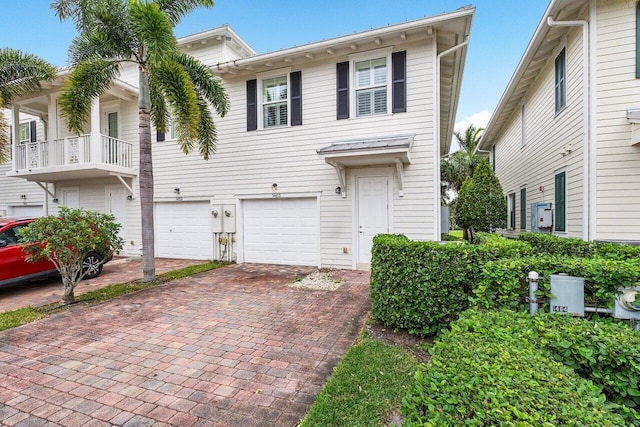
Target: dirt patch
<point x="401" y="338"/>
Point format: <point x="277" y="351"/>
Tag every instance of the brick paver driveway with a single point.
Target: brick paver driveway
<point x="232" y="347"/>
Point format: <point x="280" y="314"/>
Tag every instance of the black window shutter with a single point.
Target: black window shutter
<point x="399" y="75"/>
<point x="252" y="104"/>
<point x="296" y="98"/>
<point x="560" y="199"/>
<point x="523" y="208"/>
<point x="342" y="83"/>
<point x="160" y="136"/>
<point x="32" y="126"/>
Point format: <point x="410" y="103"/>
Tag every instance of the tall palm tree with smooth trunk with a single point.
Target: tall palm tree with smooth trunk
<point x="19" y="73"/>
<point x="171" y="84"/>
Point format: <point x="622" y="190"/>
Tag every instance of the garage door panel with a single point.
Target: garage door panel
<point x="282" y="231"/>
<point x="184" y="230"/>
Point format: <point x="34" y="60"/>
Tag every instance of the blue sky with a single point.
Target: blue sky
<point x="501" y="31"/>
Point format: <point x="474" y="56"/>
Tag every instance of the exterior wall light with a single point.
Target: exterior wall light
<point x="338" y="190"/>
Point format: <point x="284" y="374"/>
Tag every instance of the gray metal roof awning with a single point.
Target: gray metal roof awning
<point x="391" y="150"/>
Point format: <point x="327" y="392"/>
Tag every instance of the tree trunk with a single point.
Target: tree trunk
<point x="146" y="180"/>
<point x="68" y="297"/>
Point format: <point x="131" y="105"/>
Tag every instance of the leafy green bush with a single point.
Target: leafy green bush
<point x="617" y="251"/>
<point x="487" y="370"/>
<point x="422" y="286"/>
<point x="503" y="282"/>
<point x="546" y="244"/>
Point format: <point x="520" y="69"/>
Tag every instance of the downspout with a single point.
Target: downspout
<point x="436" y="145"/>
<point x="587" y="200"/>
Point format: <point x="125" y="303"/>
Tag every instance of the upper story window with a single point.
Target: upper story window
<point x="278" y="97"/>
<point x="371" y="83"/>
<point x="275" y="102"/>
<point x="371" y="87"/>
<point x="561" y="81"/>
<point x="638" y="41"/>
<point x="25" y="132"/>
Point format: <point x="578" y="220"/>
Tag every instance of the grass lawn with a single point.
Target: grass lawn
<point x="456" y="233"/>
<point x="21" y="316"/>
<point x="366" y="387"/>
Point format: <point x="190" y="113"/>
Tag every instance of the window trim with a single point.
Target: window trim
<point x="28" y="127"/>
<point x="368" y="56"/>
<point x="523" y="208"/>
<point x="562" y="84"/>
<point x="261" y="77"/>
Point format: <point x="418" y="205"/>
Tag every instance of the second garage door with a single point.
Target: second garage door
<point x="184" y="230"/>
<point x="281" y="231"/>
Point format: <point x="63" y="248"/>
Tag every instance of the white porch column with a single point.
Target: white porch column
<point x="52" y="129"/>
<point x="96" y="149"/>
<point x="15" y="122"/>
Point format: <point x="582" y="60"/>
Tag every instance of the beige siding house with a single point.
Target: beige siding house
<point x="324" y="146"/>
<point x="564" y="139"/>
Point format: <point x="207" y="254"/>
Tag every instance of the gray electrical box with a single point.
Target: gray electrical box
<point x="626" y="306"/>
<point x="568" y="295"/>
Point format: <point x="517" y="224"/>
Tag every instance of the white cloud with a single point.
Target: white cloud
<point x="479" y="120"/>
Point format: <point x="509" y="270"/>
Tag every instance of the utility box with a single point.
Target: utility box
<point x="541" y="218"/>
<point x="229" y="218"/>
<point x="626" y="305"/>
<point x="217" y="214"/>
<point x="568" y="295"/>
<point x="445" y="225"/>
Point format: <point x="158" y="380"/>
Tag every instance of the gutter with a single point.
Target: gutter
<point x="588" y="155"/>
<point x="436" y="145"/>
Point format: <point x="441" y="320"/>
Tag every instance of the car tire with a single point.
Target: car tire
<point x="92" y="265"/>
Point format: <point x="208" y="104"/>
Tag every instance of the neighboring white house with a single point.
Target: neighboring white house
<point x="565" y="136"/>
<point x="324" y="146"/>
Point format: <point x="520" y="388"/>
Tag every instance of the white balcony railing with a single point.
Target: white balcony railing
<point x="72" y="150"/>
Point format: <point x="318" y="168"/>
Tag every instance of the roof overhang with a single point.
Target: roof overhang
<point x="537" y="55"/>
<point x="222" y="33"/>
<point x="391" y="150"/>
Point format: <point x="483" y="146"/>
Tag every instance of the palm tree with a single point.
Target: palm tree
<point x="456" y="167"/>
<point x="171" y="83"/>
<point x="19" y="73"/>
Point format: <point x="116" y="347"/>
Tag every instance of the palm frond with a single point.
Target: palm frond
<point x="5" y="139"/>
<point x="208" y="84"/>
<point x="176" y="9"/>
<point x="159" y="110"/>
<point x="207" y="133"/>
<point x="90" y="79"/>
<point x="181" y="96"/>
<point x="154" y="30"/>
<point x="20" y="73"/>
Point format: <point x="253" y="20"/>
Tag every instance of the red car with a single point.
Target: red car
<point x="15" y="268"/>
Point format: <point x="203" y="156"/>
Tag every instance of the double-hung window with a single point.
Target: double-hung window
<point x="372" y="83"/>
<point x="275" y="100"/>
<point x="561" y="81"/>
<point x="25" y="132"/>
<point x="371" y="87"/>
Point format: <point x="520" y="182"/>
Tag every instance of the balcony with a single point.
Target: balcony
<point x="75" y="157"/>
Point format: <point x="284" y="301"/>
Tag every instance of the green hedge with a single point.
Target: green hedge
<point x="546" y="244"/>
<point x="503" y="282"/>
<point x="489" y="370"/>
<point x="422" y="286"/>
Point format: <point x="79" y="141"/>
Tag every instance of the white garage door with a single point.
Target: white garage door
<point x="27" y="211"/>
<point x="183" y="230"/>
<point x="281" y="231"/>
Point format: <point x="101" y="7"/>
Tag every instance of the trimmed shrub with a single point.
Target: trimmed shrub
<point x="422" y="286"/>
<point x="485" y="371"/>
<point x="503" y="282"/>
<point x="617" y="251"/>
<point x="546" y="244"/>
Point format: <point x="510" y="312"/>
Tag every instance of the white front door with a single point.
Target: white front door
<point x="116" y="206"/>
<point x="70" y="197"/>
<point x="373" y="212"/>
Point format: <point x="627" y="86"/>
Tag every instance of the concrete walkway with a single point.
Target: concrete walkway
<point x="45" y="291"/>
<point x="231" y="347"/>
